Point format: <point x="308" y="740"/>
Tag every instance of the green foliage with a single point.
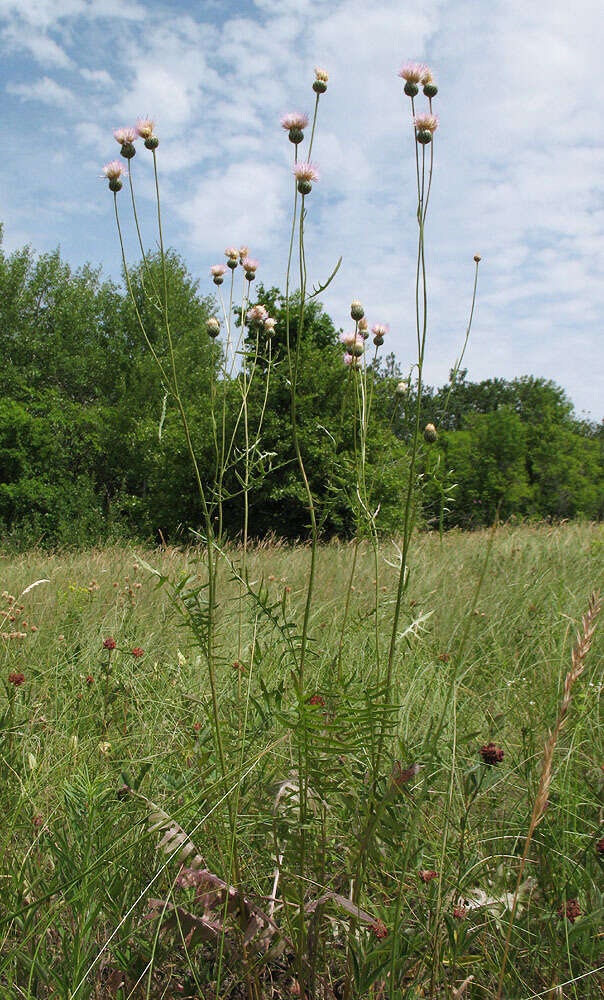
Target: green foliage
<point x="82" y="457"/>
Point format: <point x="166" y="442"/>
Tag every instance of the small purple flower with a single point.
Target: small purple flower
<point x="412" y="72"/>
<point x="296" y="120"/>
<point x="256" y="315"/>
<point x="217" y="272"/>
<point x="144" y="128"/>
<point x="250" y="264"/>
<point x="426" y="122"/>
<point x="114" y="171"/>
<point x="353" y="342"/>
<point x="306" y="172"/>
<point x="380" y="329"/>
<point x="125" y="135"/>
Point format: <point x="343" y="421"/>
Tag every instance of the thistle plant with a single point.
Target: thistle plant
<point x="300" y="831"/>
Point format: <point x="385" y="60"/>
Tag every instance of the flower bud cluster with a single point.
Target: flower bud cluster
<point x="415" y="74"/>
<point x="126" y="136"/>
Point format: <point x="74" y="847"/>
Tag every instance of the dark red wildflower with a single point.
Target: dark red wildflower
<point x="491" y="753"/>
<point x="600" y="847"/>
<point x="459" y="912"/>
<point x="317" y="700"/>
<point x="90" y="680"/>
<point x="379" y="929"/>
<point x="137" y="651"/>
<point x="16" y="679"/>
<point x="109" y="643"/>
<point x="571" y="911"/>
<point x="197" y="726"/>
<point x="37" y="820"/>
<point x="426" y="876"/>
<point x="444" y="657"/>
<point x="401" y="775"/>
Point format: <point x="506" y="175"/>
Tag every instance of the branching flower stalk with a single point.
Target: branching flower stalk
<point x="170" y="378"/>
<point x="303" y="185"/>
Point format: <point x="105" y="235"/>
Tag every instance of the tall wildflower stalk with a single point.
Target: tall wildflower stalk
<point x="114" y="173"/>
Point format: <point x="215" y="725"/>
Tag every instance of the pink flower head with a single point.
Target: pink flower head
<point x="249" y="264"/>
<point x="354" y="343"/>
<point x="380" y="329"/>
<point x="426" y="122"/>
<point x="352" y="362"/>
<point x="217" y="270"/>
<point x="144" y="128"/>
<point x="350" y="338"/>
<point x="321" y="74"/>
<point x="412" y="72"/>
<point x="257" y="314"/>
<point x="125" y="135"/>
<point x="295" y="120"/>
<point x="232" y="253"/>
<point x="114" y="171"/>
<point x="306" y="172"/>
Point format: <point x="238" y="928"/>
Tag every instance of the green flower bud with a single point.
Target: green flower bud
<point x="115" y="184"/>
<point x="128" y="150"/>
<point x="304" y="187"/>
<point x="213" y="327"/>
<point x="430" y="434"/>
<point x="430" y="90"/>
<point x="356" y="309"/>
<point x="319" y="86"/>
<point x="296" y="135"/>
<point x="424" y="136"/>
<point x="152" y="142"/>
<point x="411" y="89"/>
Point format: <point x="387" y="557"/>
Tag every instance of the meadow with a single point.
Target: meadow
<point x="110" y="776"/>
<point x="362" y="768"/>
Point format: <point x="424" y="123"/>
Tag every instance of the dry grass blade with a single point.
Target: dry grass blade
<point x="578" y="657"/>
<point x="579" y="654"/>
<point x="194" y="928"/>
<point x="343" y="903"/>
<point x="175" y="841"/>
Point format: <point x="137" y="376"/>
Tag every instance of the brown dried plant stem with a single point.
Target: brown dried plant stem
<point x="578" y="657"/>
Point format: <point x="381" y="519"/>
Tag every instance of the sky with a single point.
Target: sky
<point x="518" y="173"/>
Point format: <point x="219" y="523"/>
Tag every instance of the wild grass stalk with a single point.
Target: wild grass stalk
<point x="578" y="657"/>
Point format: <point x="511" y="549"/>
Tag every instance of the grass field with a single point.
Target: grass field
<point x="93" y="907"/>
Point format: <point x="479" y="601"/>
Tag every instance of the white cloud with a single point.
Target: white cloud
<point x="518" y="165"/>
<point x="97" y="76"/>
<point x="45" y="90"/>
<point x="44" y="49"/>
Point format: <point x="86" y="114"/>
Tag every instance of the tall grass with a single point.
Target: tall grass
<point x="77" y="854"/>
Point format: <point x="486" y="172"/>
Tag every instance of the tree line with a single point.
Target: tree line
<point x="91" y="448"/>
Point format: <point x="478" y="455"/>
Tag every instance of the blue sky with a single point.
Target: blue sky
<point x="519" y="159"/>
